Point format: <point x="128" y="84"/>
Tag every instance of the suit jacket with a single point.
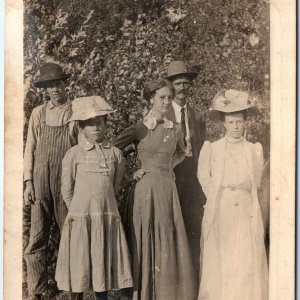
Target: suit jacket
<point x="197" y="128"/>
<point x="191" y="196"/>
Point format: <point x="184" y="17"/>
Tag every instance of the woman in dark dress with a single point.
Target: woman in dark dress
<point x="161" y="263"/>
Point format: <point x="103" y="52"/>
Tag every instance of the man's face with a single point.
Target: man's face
<point x="56" y="91"/>
<point x="182" y="85"/>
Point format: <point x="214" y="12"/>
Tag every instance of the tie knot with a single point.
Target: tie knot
<point x="182" y="109"/>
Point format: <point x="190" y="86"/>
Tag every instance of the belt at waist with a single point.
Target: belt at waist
<point x="237" y="187"/>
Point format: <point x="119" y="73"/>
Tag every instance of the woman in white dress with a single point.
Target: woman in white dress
<point x="233" y="256"/>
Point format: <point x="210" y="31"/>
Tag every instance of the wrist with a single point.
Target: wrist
<point x="28" y="183"/>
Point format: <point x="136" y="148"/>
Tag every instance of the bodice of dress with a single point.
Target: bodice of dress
<point x="236" y="168"/>
<point x="89" y="177"/>
<point x="156" y="149"/>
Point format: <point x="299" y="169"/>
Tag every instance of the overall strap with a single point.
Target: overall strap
<point x="43" y="115"/>
<point x="70" y="114"/>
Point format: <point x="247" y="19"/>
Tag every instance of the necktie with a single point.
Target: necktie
<point x="183" y="127"/>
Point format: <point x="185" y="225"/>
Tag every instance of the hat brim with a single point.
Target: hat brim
<point x="43" y="82"/>
<point x="190" y="75"/>
<point x="215" y="114"/>
<point x="87" y="116"/>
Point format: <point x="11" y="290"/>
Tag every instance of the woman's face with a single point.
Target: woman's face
<point x="235" y="125"/>
<point x="162" y="100"/>
<point x="95" y="129"/>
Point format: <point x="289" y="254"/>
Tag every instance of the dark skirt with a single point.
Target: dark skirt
<point x="161" y="261"/>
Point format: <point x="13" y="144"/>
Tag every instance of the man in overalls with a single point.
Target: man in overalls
<point x="48" y="139"/>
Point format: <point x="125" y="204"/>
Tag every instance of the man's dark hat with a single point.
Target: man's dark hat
<point x="50" y="72"/>
<point x="177" y="68"/>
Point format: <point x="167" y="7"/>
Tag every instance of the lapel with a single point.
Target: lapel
<point x="194" y="133"/>
<point x="191" y="121"/>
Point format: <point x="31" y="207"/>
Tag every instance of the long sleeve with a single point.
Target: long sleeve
<point x="130" y="137"/>
<point x="126" y="138"/>
<point x="119" y="169"/>
<point x="258" y="163"/>
<point x="264" y="195"/>
<point x="203" y="132"/>
<point x="31" y="141"/>
<point x="68" y="177"/>
<point x="204" y="168"/>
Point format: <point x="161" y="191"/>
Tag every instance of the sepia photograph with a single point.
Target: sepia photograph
<point x="148" y="166"/>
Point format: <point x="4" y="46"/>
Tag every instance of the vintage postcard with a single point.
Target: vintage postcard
<point x="150" y="149"/>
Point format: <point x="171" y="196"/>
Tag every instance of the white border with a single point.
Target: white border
<point x="283" y="68"/>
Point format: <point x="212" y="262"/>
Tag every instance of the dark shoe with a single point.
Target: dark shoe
<point x="36" y="297"/>
<point x="52" y="289"/>
<point x="76" y="296"/>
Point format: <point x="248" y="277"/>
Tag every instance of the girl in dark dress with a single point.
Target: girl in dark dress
<point x="161" y="263"/>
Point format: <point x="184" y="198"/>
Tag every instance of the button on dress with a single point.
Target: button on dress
<point x="234" y="264"/>
<point x="93" y="251"/>
<point x="162" y="267"/>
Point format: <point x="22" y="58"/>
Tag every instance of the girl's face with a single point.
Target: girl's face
<point x="162" y="100"/>
<point x="95" y="129"/>
<point x="234" y="124"/>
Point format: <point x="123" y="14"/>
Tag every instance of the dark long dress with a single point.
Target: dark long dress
<point x="161" y="262"/>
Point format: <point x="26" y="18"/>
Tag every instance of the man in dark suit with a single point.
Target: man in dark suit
<point x="193" y="126"/>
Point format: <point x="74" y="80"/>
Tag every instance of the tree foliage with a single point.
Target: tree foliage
<point x="112" y="47"/>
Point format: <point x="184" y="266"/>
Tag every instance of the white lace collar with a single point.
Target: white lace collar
<point x="150" y="121"/>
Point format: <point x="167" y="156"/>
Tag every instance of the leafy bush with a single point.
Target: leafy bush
<point x="113" y="47"/>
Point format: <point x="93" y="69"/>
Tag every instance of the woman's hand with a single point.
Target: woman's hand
<point x="139" y="174"/>
<point x="29" y="195"/>
<point x="173" y="175"/>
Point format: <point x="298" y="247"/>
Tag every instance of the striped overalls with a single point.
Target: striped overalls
<point x="53" y="143"/>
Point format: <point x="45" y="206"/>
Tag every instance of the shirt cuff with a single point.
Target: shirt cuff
<point x="27" y="176"/>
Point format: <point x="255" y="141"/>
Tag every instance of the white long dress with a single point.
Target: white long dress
<point x="233" y="258"/>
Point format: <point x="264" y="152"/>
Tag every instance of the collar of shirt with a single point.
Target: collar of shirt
<point x="85" y="144"/>
<point x="177" y="107"/>
<point x="51" y="105"/>
<point x="233" y="140"/>
<point x="150" y="121"/>
<point x="177" y="110"/>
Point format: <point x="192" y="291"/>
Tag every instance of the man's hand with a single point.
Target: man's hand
<point x="139" y="174"/>
<point x="29" y="195"/>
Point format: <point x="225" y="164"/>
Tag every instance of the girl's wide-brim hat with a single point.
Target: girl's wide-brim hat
<point x="230" y="101"/>
<point x="179" y="68"/>
<point x="50" y="72"/>
<point x="85" y="108"/>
